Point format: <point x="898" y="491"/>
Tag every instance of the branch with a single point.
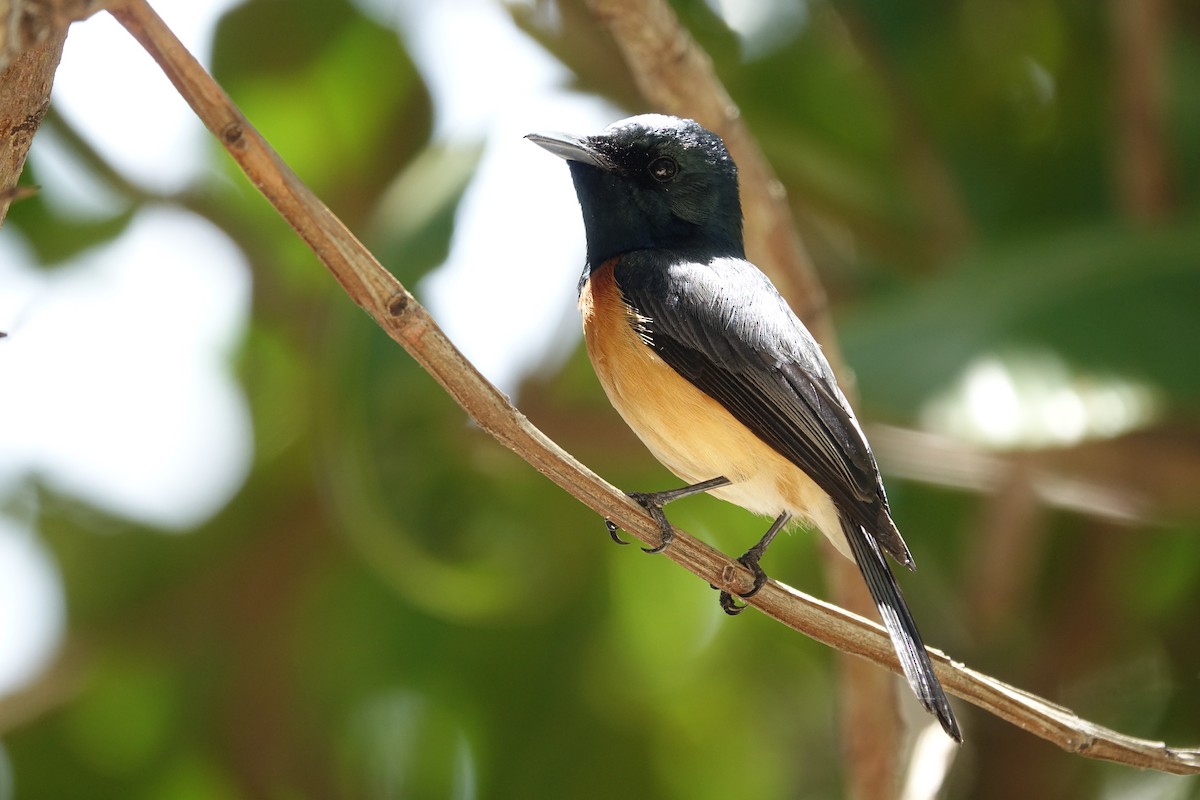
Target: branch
<point x="398" y="313"/>
<point x="25" y="24"/>
<point x="32" y="33"/>
<point x="24" y="98"/>
<point x="1141" y="32"/>
<point x="1070" y="479"/>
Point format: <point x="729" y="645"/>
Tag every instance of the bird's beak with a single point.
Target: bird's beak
<point x="572" y="148"/>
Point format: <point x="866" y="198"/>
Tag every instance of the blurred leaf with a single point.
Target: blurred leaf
<point x="192" y="777"/>
<point x="342" y="102"/>
<point x="1165" y="575"/>
<point x="1105" y="299"/>
<point x="55" y="237"/>
<point x="126" y="717"/>
<point x="427" y="501"/>
<point x="414" y="220"/>
<point x="403" y="745"/>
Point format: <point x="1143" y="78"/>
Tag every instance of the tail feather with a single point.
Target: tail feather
<point x="901" y="627"/>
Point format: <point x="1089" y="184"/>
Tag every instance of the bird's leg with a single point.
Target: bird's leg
<point x="750" y="560"/>
<point x="653" y="502"/>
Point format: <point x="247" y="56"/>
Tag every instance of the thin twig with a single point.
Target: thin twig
<point x="1141" y="33"/>
<point x="382" y="296"/>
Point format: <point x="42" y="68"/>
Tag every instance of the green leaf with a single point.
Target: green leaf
<point x="342" y="102"/>
<point x="1109" y="300"/>
<point x="55" y="237"/>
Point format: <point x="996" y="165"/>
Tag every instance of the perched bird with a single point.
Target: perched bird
<point x="708" y="365"/>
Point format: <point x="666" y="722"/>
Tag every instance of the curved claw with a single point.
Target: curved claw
<point x="760" y="576"/>
<point x="729" y="605"/>
<point x="652" y="502"/>
<point x="750" y="560"/>
<point x="612" y="531"/>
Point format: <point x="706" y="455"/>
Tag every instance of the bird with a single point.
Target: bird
<point x="714" y="372"/>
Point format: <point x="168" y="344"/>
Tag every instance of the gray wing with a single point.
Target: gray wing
<point x="724" y="327"/>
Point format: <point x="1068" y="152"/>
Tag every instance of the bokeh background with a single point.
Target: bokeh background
<point x="249" y="549"/>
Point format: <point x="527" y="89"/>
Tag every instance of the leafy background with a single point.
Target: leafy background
<point x="393" y="605"/>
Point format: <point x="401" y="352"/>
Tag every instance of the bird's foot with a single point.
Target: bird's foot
<point x="728" y="604"/>
<point x="653" y="502"/>
<point x="750" y="560"/>
<point x="613" y="528"/>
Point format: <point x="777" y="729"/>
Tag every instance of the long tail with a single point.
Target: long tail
<point x="901" y="627"/>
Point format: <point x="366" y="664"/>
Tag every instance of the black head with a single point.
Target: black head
<point x="653" y="182"/>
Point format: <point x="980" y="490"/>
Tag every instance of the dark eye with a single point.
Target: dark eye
<point x="663" y="169"/>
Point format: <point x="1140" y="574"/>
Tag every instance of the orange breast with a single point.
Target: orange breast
<point x="689" y="432"/>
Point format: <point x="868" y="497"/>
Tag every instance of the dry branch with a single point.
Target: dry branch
<point x="32" y="33"/>
<point x="386" y="300"/>
<point x="24" y="99"/>
<point x="1141" y="31"/>
<point x="25" y="24"/>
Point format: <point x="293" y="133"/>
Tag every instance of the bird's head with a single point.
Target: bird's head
<point x="653" y="182"/>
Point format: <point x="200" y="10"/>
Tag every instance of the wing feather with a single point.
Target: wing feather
<point x="724" y="327"/>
